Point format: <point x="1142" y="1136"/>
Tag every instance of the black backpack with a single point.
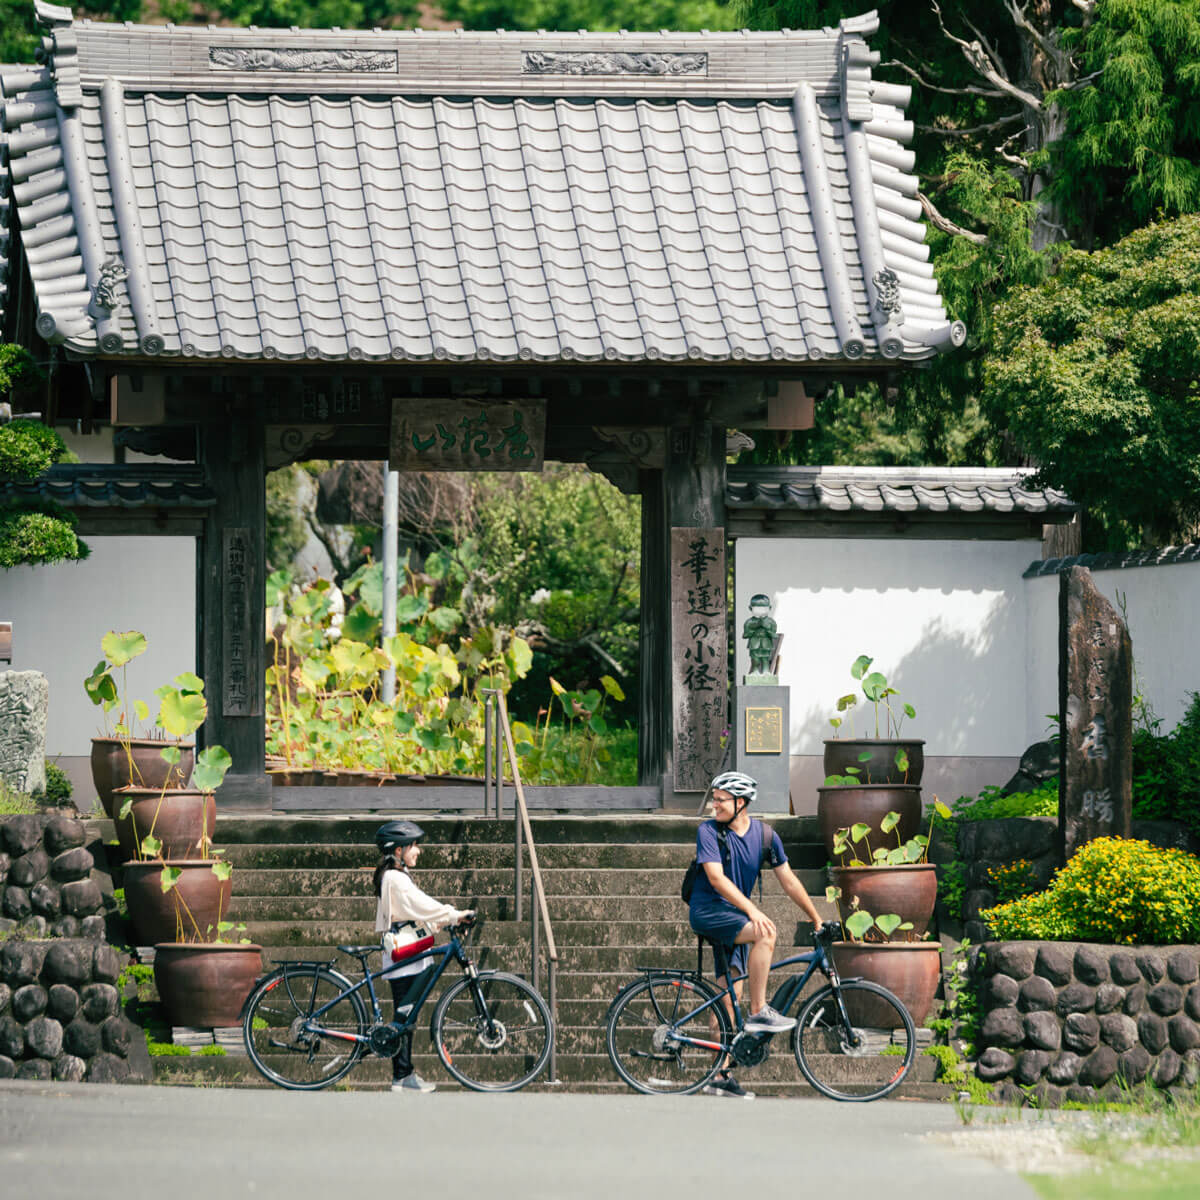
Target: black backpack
<point x="689" y="879"/>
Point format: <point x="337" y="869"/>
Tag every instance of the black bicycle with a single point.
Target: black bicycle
<point x="306" y="1024"/>
<point x="669" y="1032"/>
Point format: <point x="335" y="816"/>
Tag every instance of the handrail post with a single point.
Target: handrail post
<point x="501" y="718"/>
<point x="552" y="971"/>
<point x="517" y="856"/>
<point x="488" y="705"/>
<point x="533" y="938"/>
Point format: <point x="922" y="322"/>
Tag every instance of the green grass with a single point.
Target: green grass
<point x="1143" y="1181"/>
<point x="14" y="803"/>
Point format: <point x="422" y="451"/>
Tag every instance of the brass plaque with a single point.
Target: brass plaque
<point x="764" y="730"/>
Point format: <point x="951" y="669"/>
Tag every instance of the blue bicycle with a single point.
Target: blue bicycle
<point x="670" y="1033"/>
<point x="305" y="1024"/>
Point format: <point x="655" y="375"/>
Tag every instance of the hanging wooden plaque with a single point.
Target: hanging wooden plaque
<point x="467" y="435"/>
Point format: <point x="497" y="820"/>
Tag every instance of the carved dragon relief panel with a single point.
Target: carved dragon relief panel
<point x="583" y="62"/>
<point x="268" y="58"/>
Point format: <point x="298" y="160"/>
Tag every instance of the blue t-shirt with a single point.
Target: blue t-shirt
<point x="743" y="859"/>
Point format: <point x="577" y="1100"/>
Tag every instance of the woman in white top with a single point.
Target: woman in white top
<point x="404" y="909"/>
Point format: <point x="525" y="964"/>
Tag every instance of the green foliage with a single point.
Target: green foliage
<point x="166" y="1049"/>
<point x="287" y="532"/>
<point x="1166" y="771"/>
<point x="952" y="888"/>
<point x="1012" y="880"/>
<point x="317" y="14"/>
<point x="58" y="785"/>
<point x="1113" y="890"/>
<point x="569" y="15"/>
<point x="876" y="690"/>
<point x="990" y="805"/>
<point x="1132" y="147"/>
<point x="953" y="1073"/>
<point x="14" y="803"/>
<point x="213" y="1051"/>
<point x="960" y="1013"/>
<point x="1096" y="373"/>
<point x="28" y="449"/>
<point x="32" y="536"/>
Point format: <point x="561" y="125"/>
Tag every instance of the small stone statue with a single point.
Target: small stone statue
<point x="759" y="632"/>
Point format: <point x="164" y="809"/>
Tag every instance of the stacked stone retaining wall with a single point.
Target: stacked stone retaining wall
<point x="60" y="1014"/>
<point x="46" y="878"/>
<point x="1080" y="1021"/>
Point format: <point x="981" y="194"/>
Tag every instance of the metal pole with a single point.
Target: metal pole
<point x="391" y="522"/>
<point x="533" y="935"/>
<point x="488" y="705"/>
<point x="553" y="971"/>
<point x="500" y="766"/>
<point x="517" y="856"/>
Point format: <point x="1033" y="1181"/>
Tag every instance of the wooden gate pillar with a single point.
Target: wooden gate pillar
<point x="688" y="493"/>
<point x="231" y="580"/>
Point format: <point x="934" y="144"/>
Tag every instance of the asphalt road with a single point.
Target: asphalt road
<point x="94" y="1141"/>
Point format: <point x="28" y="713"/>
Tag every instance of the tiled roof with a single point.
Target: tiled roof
<point x="264" y="194"/>
<point x="1166" y="556"/>
<point x="133" y="485"/>
<point x="926" y="490"/>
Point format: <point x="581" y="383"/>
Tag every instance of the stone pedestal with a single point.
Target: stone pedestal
<point x="761" y="742"/>
<point x="24" y="702"/>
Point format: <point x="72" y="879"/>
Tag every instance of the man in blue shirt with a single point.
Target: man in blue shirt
<point x="720" y="907"/>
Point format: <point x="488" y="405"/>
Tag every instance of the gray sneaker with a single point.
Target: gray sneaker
<point x="413" y="1083"/>
<point x="767" y="1020"/>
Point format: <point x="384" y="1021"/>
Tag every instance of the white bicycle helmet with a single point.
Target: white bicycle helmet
<point x="736" y="784"/>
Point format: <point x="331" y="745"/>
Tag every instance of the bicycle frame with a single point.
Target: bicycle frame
<point x="783" y="999"/>
<point x="452" y="949"/>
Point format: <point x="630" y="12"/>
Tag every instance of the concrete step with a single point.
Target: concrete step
<point x="486" y="881"/>
<point x="596" y="1076"/>
<point x="351" y="908"/>
<point x="350" y="829"/>
<point x="624" y="855"/>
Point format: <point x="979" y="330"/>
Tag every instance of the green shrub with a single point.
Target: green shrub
<point x="58" y="786"/>
<point x="213" y="1051"/>
<point x="1166" y="771"/>
<point x="29" y="536"/>
<point x="1114" y="890"/>
<point x="28" y="449"/>
<point x="989" y="805"/>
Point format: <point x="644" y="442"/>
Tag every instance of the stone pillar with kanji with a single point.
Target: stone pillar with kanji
<point x="1095" y="715"/>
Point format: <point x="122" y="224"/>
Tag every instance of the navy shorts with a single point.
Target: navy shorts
<point x="722" y="923"/>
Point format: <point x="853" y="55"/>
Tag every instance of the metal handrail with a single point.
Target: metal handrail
<point x="496" y="711"/>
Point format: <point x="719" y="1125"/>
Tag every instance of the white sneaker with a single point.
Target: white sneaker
<point x="413" y="1083"/>
<point x="767" y="1020"/>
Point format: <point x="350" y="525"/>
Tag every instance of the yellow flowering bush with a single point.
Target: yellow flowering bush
<point x="1114" y="890"/>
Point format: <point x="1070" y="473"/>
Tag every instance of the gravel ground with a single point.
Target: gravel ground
<point x="1052" y="1143"/>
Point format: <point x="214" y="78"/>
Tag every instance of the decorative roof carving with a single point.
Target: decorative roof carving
<point x="265" y="58"/>
<point x="577" y="62"/>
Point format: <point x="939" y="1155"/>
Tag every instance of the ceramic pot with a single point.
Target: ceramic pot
<point x="110" y="766"/>
<point x="180" y="819"/>
<point x="204" y="985"/>
<point x="881" y="766"/>
<point x="911" y="971"/>
<point x="838" y="807"/>
<point x="909" y="891"/>
<point x="153" y="912"/>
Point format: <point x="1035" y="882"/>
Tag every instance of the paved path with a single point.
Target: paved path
<point x="100" y="1142"/>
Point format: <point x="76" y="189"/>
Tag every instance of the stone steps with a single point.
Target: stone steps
<point x="302" y="885"/>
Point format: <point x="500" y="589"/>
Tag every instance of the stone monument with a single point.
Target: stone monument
<point x="760" y="737"/>
<point x="24" y="702"/>
<point x="1095" y="690"/>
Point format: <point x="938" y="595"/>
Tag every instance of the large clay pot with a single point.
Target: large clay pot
<point x="909" y="970"/>
<point x="839" y="807"/>
<point x="111" y="768"/>
<point x="909" y="891"/>
<point x="205" y="985"/>
<point x="153" y="911"/>
<point x="181" y="819"/>
<point x="881" y="766"/>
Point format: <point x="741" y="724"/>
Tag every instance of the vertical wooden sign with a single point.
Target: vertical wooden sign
<point x="699" y="640"/>
<point x="237" y="693"/>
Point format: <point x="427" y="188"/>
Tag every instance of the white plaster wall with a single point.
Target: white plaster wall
<point x="60" y="613"/>
<point x="945" y="621"/>
<point x="1161" y="604"/>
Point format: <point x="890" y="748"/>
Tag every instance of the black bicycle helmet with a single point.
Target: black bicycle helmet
<point x="396" y="834"/>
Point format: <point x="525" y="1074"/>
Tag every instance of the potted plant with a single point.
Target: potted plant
<point x="886" y="949"/>
<point x="119" y="758"/>
<point x="893" y="879"/>
<point x="875" y="759"/>
<point x="203" y="976"/>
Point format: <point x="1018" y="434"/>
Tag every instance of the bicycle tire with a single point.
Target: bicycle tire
<point x="517" y="1030"/>
<point x="645" y="1009"/>
<point x="274" y="1042"/>
<point x="867" y="1066"/>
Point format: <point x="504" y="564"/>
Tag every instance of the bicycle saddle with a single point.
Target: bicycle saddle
<point x="359" y="951"/>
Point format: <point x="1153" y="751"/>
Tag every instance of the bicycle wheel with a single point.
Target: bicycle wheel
<point x="493" y="1033"/>
<point x="273" y="1027"/>
<point x="638" y="1021"/>
<point x="861" y="1061"/>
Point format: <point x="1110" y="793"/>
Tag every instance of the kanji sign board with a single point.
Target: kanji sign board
<point x="467" y="435"/>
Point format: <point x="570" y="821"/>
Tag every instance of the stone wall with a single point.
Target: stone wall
<point x="1073" y="1020"/>
<point x="60" y="1014"/>
<point x="46" y="883"/>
